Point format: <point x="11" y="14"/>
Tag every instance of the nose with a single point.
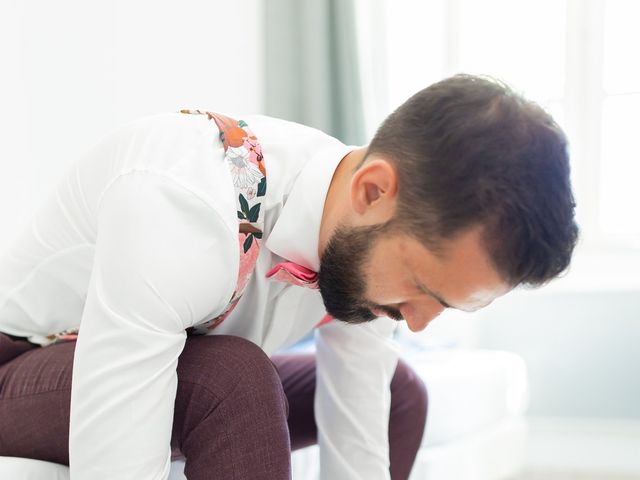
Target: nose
<point x="417" y="320"/>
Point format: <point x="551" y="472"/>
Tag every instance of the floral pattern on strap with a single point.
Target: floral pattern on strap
<point x="243" y="156"/>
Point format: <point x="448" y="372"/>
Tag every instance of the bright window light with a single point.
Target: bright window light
<point x="577" y="58"/>
<point x="519" y="41"/>
<point x="620" y="168"/>
<point x="621" y="46"/>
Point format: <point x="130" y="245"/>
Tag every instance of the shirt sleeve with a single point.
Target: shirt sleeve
<point x="355" y="365"/>
<point x="164" y="261"/>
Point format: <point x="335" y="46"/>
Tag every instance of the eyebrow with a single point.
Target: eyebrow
<point x="433" y="294"/>
<point x="441" y="300"/>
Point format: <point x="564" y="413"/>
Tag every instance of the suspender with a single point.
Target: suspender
<point x="243" y="156"/>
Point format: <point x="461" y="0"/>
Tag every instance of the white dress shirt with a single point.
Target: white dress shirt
<point x="139" y="241"/>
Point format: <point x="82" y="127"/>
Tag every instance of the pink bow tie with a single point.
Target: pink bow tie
<point x="295" y="274"/>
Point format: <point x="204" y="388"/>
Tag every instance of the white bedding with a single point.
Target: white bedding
<point x="470" y="390"/>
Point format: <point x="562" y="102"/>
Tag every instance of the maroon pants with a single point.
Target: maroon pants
<point x="236" y="416"/>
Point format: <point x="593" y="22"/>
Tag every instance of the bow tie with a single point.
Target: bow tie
<point x="295" y="274"/>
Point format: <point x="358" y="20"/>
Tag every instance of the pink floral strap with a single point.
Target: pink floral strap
<point x="243" y="156"/>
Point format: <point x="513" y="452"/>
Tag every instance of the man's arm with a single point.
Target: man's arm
<point x="164" y="261"/>
<point x="355" y="365"/>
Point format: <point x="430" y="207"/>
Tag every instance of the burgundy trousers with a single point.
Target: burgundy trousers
<point x="238" y="414"/>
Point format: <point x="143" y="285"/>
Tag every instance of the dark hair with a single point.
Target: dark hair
<point x="469" y="152"/>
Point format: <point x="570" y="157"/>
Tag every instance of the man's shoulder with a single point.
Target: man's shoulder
<point x="281" y="129"/>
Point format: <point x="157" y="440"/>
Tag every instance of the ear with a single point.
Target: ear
<point x="374" y="188"/>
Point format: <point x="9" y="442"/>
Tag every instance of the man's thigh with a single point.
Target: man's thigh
<point x="35" y="391"/>
<point x="35" y="396"/>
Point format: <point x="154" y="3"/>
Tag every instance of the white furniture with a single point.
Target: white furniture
<point x="29" y="469"/>
<point x="476" y="428"/>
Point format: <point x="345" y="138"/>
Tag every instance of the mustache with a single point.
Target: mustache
<point x="390" y="312"/>
<point x="344" y="307"/>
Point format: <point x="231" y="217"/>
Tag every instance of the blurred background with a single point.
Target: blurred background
<point x="74" y="70"/>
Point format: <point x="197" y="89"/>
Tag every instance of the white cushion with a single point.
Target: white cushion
<point x="30" y="469"/>
<point x="470" y="390"/>
<point x="495" y="452"/>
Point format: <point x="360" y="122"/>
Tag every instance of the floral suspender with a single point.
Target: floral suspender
<point x="243" y="156"/>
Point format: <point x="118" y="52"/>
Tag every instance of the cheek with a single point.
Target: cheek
<point x="386" y="286"/>
<point x="375" y="272"/>
<point x="387" y="279"/>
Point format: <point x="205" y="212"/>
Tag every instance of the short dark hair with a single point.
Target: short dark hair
<point x="469" y="151"/>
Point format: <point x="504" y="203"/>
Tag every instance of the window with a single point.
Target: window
<point x="620" y="166"/>
<point x="577" y="58"/>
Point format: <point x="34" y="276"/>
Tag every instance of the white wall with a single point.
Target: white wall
<point x="579" y="337"/>
<point x="72" y="70"/>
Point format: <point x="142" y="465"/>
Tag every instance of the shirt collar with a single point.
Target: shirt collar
<point x="295" y="234"/>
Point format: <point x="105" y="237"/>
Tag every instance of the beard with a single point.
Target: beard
<point x="342" y="278"/>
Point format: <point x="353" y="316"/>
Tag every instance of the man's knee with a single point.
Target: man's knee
<point x="229" y="401"/>
<point x="230" y="366"/>
<point x="257" y="375"/>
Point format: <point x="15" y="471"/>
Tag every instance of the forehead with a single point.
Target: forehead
<point x="461" y="274"/>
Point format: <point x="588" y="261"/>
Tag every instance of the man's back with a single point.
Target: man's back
<point x="45" y="276"/>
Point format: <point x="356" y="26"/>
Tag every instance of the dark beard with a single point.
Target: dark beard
<point x="341" y="277"/>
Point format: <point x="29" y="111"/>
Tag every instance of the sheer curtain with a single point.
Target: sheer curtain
<point x="312" y="66"/>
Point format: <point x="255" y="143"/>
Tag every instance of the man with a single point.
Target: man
<point x="462" y="195"/>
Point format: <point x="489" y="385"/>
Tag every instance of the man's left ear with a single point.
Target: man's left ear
<point x="374" y="187"/>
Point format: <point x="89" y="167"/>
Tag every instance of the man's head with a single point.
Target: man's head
<point x="463" y="194"/>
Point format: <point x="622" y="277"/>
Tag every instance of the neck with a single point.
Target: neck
<point x="337" y="202"/>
